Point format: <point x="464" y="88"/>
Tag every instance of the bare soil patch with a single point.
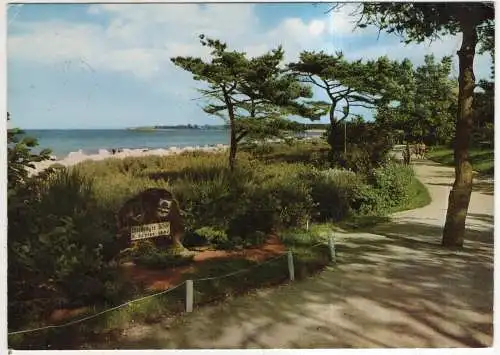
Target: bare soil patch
<point x="160" y="280"/>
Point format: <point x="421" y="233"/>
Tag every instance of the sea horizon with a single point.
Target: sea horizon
<point x="89" y="141"/>
<point x="65" y="141"/>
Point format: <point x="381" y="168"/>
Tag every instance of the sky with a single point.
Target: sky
<point x="90" y="66"/>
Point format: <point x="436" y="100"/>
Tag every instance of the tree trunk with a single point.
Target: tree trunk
<point x="332" y="113"/>
<point x="232" y="147"/>
<point x="232" y="129"/>
<point x="458" y="201"/>
<point x="333" y="141"/>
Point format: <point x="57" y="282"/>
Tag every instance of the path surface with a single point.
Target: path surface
<point x="393" y="287"/>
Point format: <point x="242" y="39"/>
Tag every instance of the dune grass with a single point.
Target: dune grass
<point x="202" y="180"/>
<point x="482" y="159"/>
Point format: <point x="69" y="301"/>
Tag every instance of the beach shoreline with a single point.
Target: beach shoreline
<point x="74" y="158"/>
<point x="79" y="156"/>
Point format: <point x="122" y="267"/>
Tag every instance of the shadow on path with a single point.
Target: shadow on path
<point x="393" y="286"/>
<point x="387" y="290"/>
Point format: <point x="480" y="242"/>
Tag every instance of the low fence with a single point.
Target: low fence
<point x="191" y="290"/>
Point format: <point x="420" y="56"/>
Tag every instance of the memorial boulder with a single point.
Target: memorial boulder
<point x="153" y="214"/>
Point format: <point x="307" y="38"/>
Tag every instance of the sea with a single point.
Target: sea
<point x="90" y="141"/>
<point x="62" y="142"/>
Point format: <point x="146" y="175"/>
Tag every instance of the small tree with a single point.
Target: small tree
<point x="253" y="95"/>
<point x="484" y="113"/>
<point x="20" y="156"/>
<point x="367" y="84"/>
<point x="417" y="22"/>
<point x="426" y="106"/>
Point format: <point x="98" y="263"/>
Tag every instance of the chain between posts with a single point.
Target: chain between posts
<point x="189" y="289"/>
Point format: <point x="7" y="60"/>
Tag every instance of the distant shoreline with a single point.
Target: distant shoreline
<point x="79" y="156"/>
<point x="165" y="128"/>
<point x="168" y="128"/>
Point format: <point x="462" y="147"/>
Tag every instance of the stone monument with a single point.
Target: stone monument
<point x="152" y="214"/>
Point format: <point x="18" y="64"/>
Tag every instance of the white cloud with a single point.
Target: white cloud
<point x="341" y="21"/>
<point x="317" y="27"/>
<point x="141" y="39"/>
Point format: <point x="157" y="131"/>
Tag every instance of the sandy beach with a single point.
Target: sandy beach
<point x="74" y="158"/>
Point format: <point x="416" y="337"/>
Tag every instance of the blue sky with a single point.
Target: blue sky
<point x="108" y="65"/>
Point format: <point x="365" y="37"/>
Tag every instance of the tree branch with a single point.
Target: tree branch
<point x="361" y="105"/>
<point x="241" y="135"/>
<point x="316" y="83"/>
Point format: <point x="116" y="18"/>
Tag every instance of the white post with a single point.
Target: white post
<point x="307" y="224"/>
<point x="189" y="296"/>
<point x="290" y="266"/>
<point x="331" y="244"/>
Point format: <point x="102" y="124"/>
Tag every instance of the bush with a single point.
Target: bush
<point x="289" y="196"/>
<point x="217" y="238"/>
<point x="330" y="192"/>
<point x="368" y="145"/>
<point x="338" y="193"/>
<point x="392" y="183"/>
<point x="146" y="254"/>
<point x="262" y="149"/>
<point x="252" y="200"/>
<point x="20" y="156"/>
<point x="57" y="236"/>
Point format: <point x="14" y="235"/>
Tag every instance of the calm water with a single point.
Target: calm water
<point x="62" y="142"/>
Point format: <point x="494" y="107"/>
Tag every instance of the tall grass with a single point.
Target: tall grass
<point x="68" y="227"/>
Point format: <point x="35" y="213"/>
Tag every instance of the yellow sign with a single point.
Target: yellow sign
<point x="150" y="230"/>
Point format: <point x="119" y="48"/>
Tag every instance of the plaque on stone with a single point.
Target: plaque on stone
<point x="153" y="215"/>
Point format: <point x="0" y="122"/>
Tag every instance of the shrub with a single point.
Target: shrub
<point x="146" y="254"/>
<point x="338" y="193"/>
<point x="289" y="196"/>
<point x="368" y="145"/>
<point x="57" y="236"/>
<point x="329" y="193"/>
<point x="262" y="149"/>
<point x="392" y="182"/>
<point x="217" y="238"/>
<point x="20" y="156"/>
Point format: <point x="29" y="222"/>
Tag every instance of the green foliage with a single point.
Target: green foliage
<point x="405" y="19"/>
<point x="313" y="152"/>
<point x="482" y="159"/>
<point x="146" y="254"/>
<point x="392" y="183"/>
<point x="427" y="110"/>
<point x="332" y="191"/>
<point x="368" y="145"/>
<point x="367" y="84"/>
<point x="254" y="95"/>
<point x="216" y="238"/>
<point x="59" y="244"/>
<point x="20" y="156"/>
<point x="484" y="114"/>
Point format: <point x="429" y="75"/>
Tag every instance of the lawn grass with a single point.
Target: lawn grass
<point x="482" y="159"/>
<point x="418" y="197"/>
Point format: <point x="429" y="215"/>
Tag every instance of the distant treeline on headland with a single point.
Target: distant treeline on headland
<point x="187" y="126"/>
<point x="304" y="126"/>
